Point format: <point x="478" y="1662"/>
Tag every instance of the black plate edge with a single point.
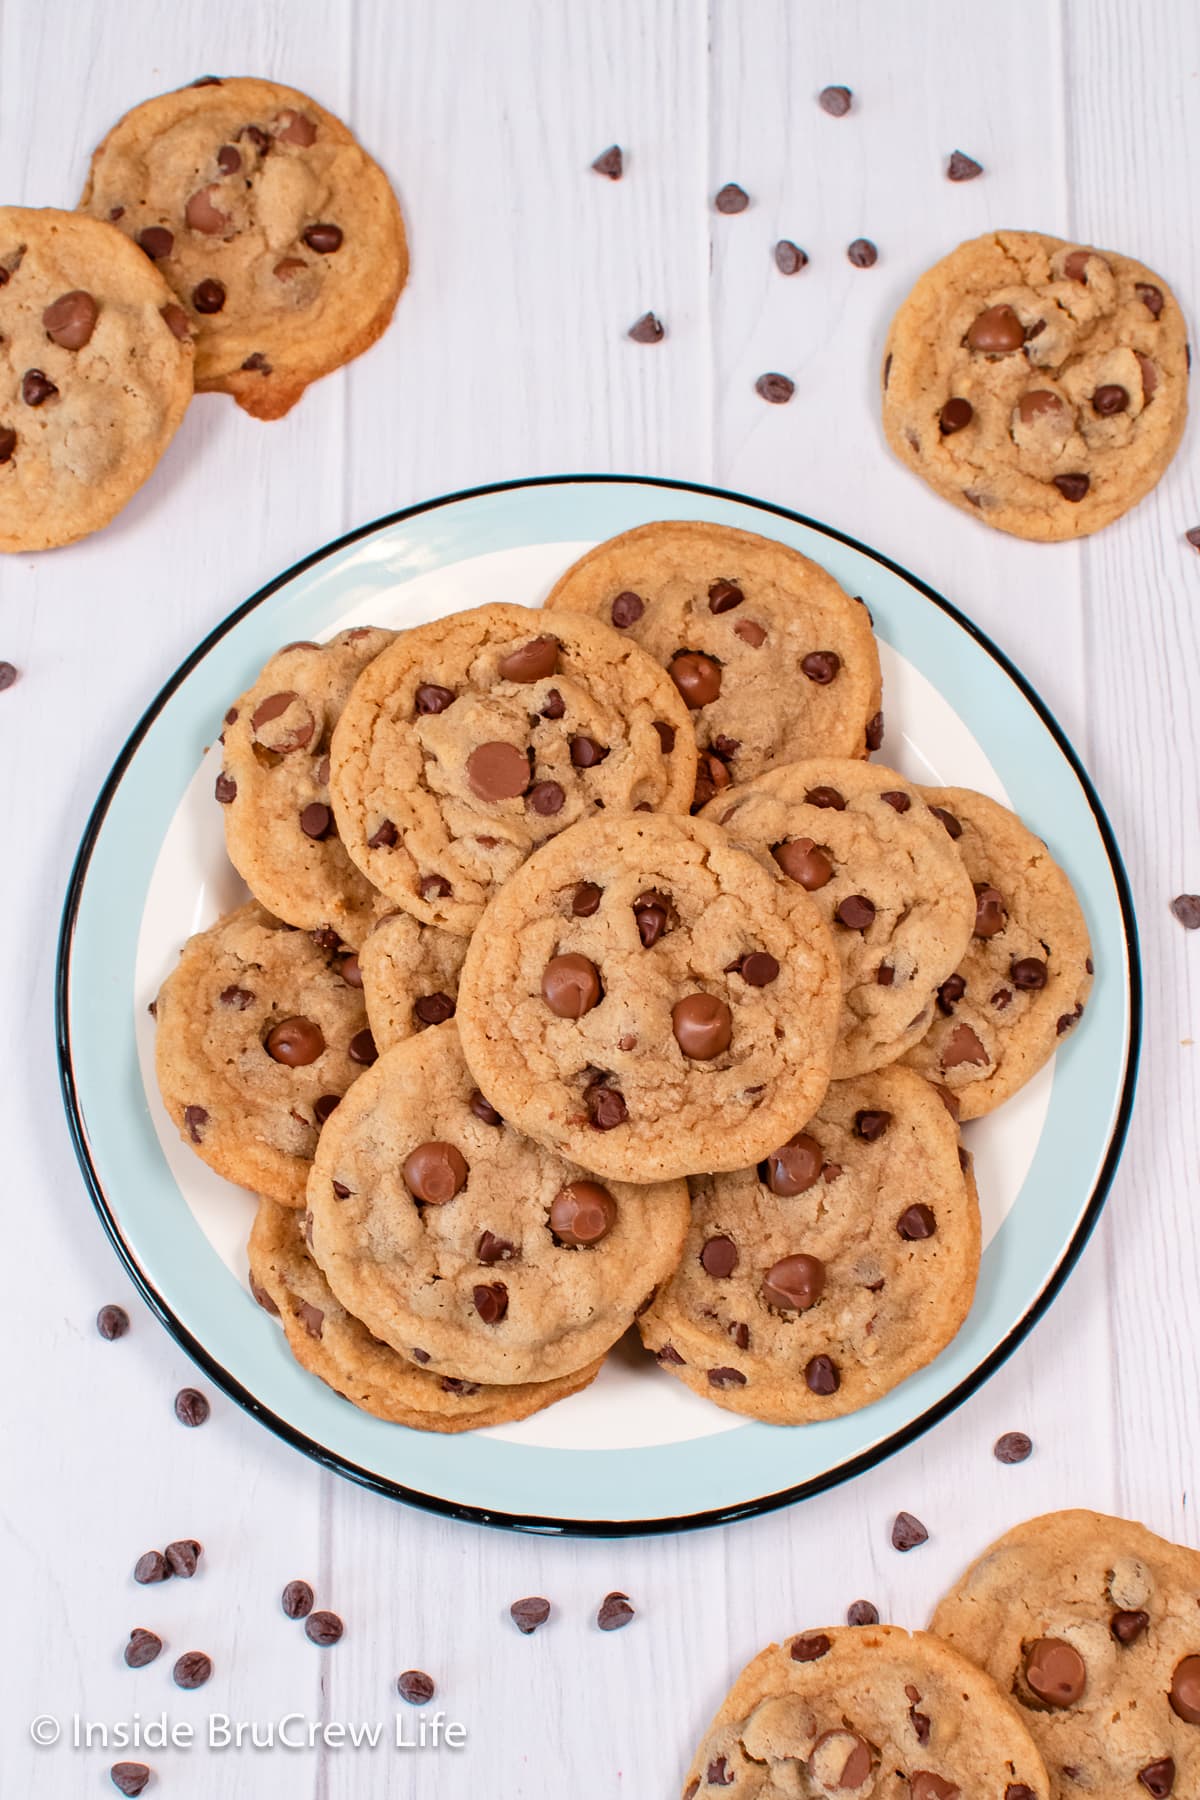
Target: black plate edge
<point x="531" y="1522"/>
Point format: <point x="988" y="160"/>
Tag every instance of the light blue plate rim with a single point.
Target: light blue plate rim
<point x="114" y="1140"/>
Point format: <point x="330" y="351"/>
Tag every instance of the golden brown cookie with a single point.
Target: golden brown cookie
<point x="280" y="236"/>
<point x="94" y="377"/>
<point x="1040" y="385"/>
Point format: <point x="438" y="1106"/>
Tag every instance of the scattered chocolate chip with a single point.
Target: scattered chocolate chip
<point x="954" y="416"/>
<point x="916" y="1223"/>
<point x="789" y="257"/>
<point x="383" y="837"/>
<point x="775" y="388"/>
<point x="435" y="1172"/>
<point x="732" y="199"/>
<point x="362" y="1048"/>
<point x="810" y="1649"/>
<point x="962" y="167"/>
<point x="794" y="1168"/>
<point x="70" y="320"/>
<point x="297" y="1600"/>
<point x="192" y="1669"/>
<point x="129" y="1777"/>
<point x="151" y="1567"/>
<point x="571" y="986"/>
<point x="1150" y="297"/>
<point x="1072" y="487"/>
<point x="649" y="329"/>
<point x="750" y="632"/>
<point x="257" y="363"/>
<point x="862" y="253"/>
<point x="415" y="1686"/>
<point x="1013" y="1447"/>
<point x="1186" y="908"/>
<point x="610" y="162"/>
<point x="225" y="789"/>
<point x="323" y="238"/>
<point x="323" y="1629"/>
<point x="156" y="241"/>
<point x="1067" y="1020"/>
<point x="835" y="101"/>
<point x="528" y="1614"/>
<point x="195" y="1118"/>
<point x="702" y="1026"/>
<point x="1055" y="1672"/>
<point x="725" y="1378"/>
<point x="870" y="1124"/>
<point x="724" y="596"/>
<point x="208" y="296"/>
<point x="907" y="1532"/>
<point x="142" y="1648"/>
<point x="875" y="732"/>
<point x="531" y="661"/>
<point x="856" y="912"/>
<point x="191" y="1407"/>
<point x="492" y="1249"/>
<point x="718" y="1773"/>
<point x="948" y="820"/>
<point x="821" y="1376"/>
<point x="112" y="1322"/>
<point x="862" y="1612"/>
<point x="183" y="1557"/>
<point x="37" y="388"/>
<point x="490" y="1300"/>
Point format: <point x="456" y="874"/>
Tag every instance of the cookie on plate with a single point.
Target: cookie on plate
<point x="774" y="660"/>
<point x="815" y="1283"/>
<point x="96" y="376"/>
<point x="1093" y="1625"/>
<point x="650" y="1000"/>
<point x="467" y="1247"/>
<point x="410" y="976"/>
<point x="274" y="786"/>
<point x="871" y="1711"/>
<point x="259" y="1036"/>
<point x="280" y="236"/>
<point x="1041" y="385"/>
<point x="331" y="1343"/>
<point x="475" y="738"/>
<point x="885" y="873"/>
<point x="1022" y="986"/>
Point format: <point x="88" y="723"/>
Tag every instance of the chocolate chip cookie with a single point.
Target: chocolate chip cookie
<point x="465" y="1246"/>
<point x="274" y="786"/>
<point x="868" y="1711"/>
<point x="649" y="999"/>
<point x="93" y="379"/>
<point x="332" y="1344"/>
<point x="884" y="871"/>
<point x="1040" y="385"/>
<point x="259" y="1036"/>
<point x="844" y="1262"/>
<point x="1093" y="1625"/>
<point x="475" y="738"/>
<point x="281" y="237"/>
<point x="1020" y="990"/>
<point x="410" y="976"/>
<point x="772" y="658"/>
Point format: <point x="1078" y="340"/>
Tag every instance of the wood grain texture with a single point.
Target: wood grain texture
<point x="509" y="357"/>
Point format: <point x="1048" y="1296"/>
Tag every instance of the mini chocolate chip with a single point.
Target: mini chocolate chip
<point x="1186" y="908"/>
<point x="821" y="666"/>
<point x="492" y="1249"/>
<point x="775" y="388"/>
<point x="897" y="800"/>
<point x="316" y="820"/>
<point x="112" y="1322"/>
<point x="192" y="1669"/>
<point x="483" y="1109"/>
<point x="962" y="167"/>
<point x="142" y="1648"/>
<point x="750" y="632"/>
<point x="1150" y="297"/>
<point x="875" y="731"/>
<point x="651" y="910"/>
<point x="907" y="1532"/>
<point x="916" y="1223"/>
<point x="1067" y="1020"/>
<point x="429" y="698"/>
<point x="297" y="1600"/>
<point x="826" y="797"/>
<point x="862" y="253"/>
<point x="323" y="1629"/>
<point x="955" y="416"/>
<point x="610" y="162"/>
<point x="614" y="1612"/>
<point x="150" y="1568"/>
<point x="648" y="329"/>
<point x="1110" y="399"/>
<point x="208" y="296"/>
<point x="856" y="912"/>
<point x="340" y="1190"/>
<point x="724" y="596"/>
<point x="433" y="1009"/>
<point x="362" y="1049"/>
<point x="528" y="1614"/>
<point x="585" y="899"/>
<point x="129" y="1778"/>
<point x="435" y="1172"/>
<point x="415" y="1686"/>
<point x="835" y="101"/>
<point x="669" y="1356"/>
<point x="183" y="1557"/>
<point x="718" y="1773"/>
<point x="296" y="128"/>
<point x="758" y="969"/>
<point x="870" y="1124"/>
<point x="732" y="199"/>
<point x="586" y="752"/>
<point x="383" y="837"/>
<point x="323" y="238"/>
<point x="627" y="609"/>
<point x="810" y="1649"/>
<point x="490" y="1300"/>
<point x="571" y="986"/>
<point x="555" y="706"/>
<point x="156" y="241"/>
<point x="719" y="1257"/>
<point x="821" y="1376"/>
<point x="195" y="1118"/>
<point x="191" y="1407"/>
<point x="229" y="159"/>
<point x="789" y="257"/>
<point x="1072" y="487"/>
<point x="37" y="388"/>
<point x="862" y="1612"/>
<point x="1029" y="973"/>
<point x="546" y="798"/>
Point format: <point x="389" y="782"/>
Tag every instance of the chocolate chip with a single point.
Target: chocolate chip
<point x="582" y="1213"/>
<point x="112" y="1322"/>
<point x="383" y="837"/>
<point x="433" y="1009"/>
<point x="415" y="1686"/>
<point x="490" y="1301"/>
<point x="316" y="820"/>
<point x="532" y="661"/>
<point x="1013" y="1447"/>
<point x="789" y="257"/>
<point x="142" y="1648"/>
<point x="703" y="1026"/>
<point x="822" y="1376"/>
<point x="669" y="1356"/>
<point x="758" y="969"/>
<point x="950" y="993"/>
<point x="870" y="1124"/>
<point x="191" y="1407"/>
<point x="835" y="101"/>
<point x="948" y="820"/>
<point x="183" y="1557"/>
<point x="718" y="1773"/>
<point x="697" y="677"/>
<point x="726" y="1378"/>
<point x="907" y="1532"/>
<point x="295" y="1042"/>
<point x="498" y="771"/>
<point x="1067" y="1020"/>
<point x="435" y="1172"/>
<point x="862" y="1612"/>
<point x="192" y="1669"/>
<point x="297" y="1600"/>
<point x="856" y="912"/>
<point x="1127" y="1627"/>
<point x="794" y="1168"/>
<point x="555" y="706"/>
<point x="1072" y="487"/>
<point x="195" y="1118"/>
<point x="775" y="388"/>
<point x="229" y="159"/>
<point x="724" y="596"/>
<point x="151" y="1567"/>
<point x="962" y="167"/>
<point x="1158" y="1778"/>
<point x="821" y="666"/>
<point x="1028" y="973"/>
<point x="649" y="329"/>
<point x="1186" y="908"/>
<point x="1185" y="1690"/>
<point x="37" y="388"/>
<point x="794" y="1283"/>
<point x="203" y="214"/>
<point x="571" y="986"/>
<point x="129" y="1777"/>
<point x="323" y="1629"/>
<point x="916" y="1223"/>
<point x="610" y="162"/>
<point x="429" y="698"/>
<point x="651" y="910"/>
<point x="954" y="416"/>
<point x="585" y="899"/>
<point x="606" y="1107"/>
<point x="1150" y="297"/>
<point x="340" y="1190"/>
<point x="1110" y="399"/>
<point x="483" y="1109"/>
<point x="586" y="752"/>
<point x="804" y="862"/>
<point x="810" y="1649"/>
<point x="828" y="798"/>
<point x="750" y="632"/>
<point x="627" y="609"/>
<point x="885" y="975"/>
<point x="546" y="798"/>
<point x="323" y="238"/>
<point x="156" y="241"/>
<point x="208" y="296"/>
<point x="225" y="789"/>
<point x="8" y="443"/>
<point x="70" y="320"/>
<point x="862" y="253"/>
<point x="528" y="1614"/>
<point x="1055" y="1672"/>
<point x="719" y="1257"/>
<point x="732" y="199"/>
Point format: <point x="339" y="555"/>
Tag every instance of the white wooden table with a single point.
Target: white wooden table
<point x="508" y="357"/>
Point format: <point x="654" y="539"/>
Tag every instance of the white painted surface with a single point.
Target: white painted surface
<point x="508" y="358"/>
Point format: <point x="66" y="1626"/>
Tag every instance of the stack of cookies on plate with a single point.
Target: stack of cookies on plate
<point x="593" y="974"/>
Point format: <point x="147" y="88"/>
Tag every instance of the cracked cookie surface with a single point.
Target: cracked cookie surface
<point x="464" y="1245"/>
<point x="815" y="1283"/>
<point x="93" y="380"/>
<point x="1093" y="1624"/>
<point x="477" y="737"/>
<point x="651" y="1000"/>
<point x="281" y="237"/>
<point x="1041" y="385"/>
<point x="331" y="1343"/>
<point x="773" y="658"/>
<point x="410" y="975"/>
<point x="274" y="786"/>
<point x="872" y="1711"/>
<point x="258" y="1038"/>
<point x="1022" y="986"/>
<point x="886" y="875"/>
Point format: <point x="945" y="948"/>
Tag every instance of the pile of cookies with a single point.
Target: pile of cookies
<point x="1065" y="1661"/>
<point x="232" y="236"/>
<point x="594" y="974"/>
